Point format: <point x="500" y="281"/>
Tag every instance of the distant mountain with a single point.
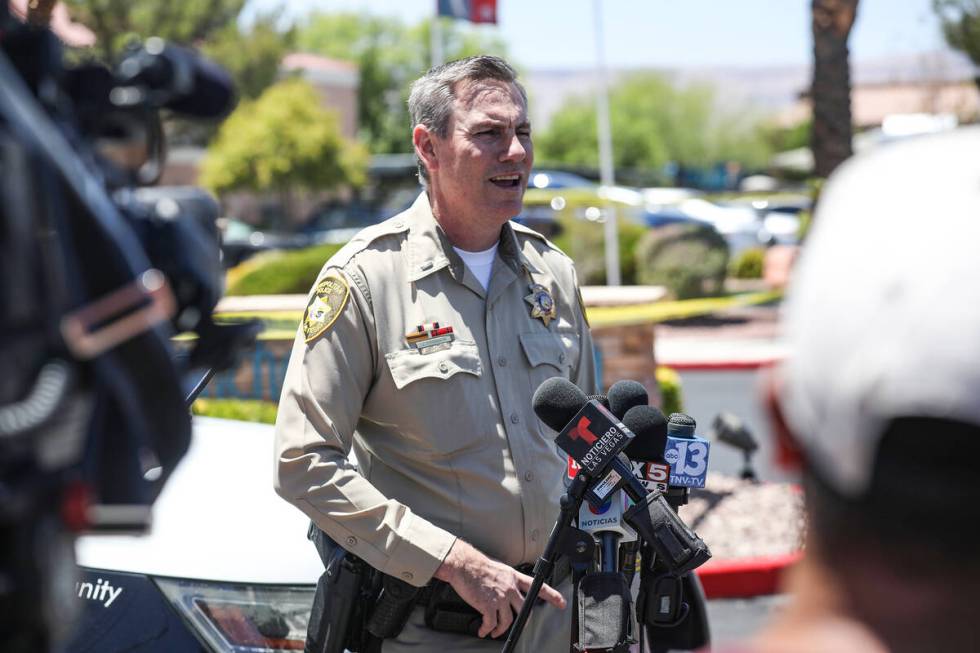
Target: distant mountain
<point x="768" y="89"/>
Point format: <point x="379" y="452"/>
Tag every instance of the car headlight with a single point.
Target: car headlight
<point x="238" y="618"/>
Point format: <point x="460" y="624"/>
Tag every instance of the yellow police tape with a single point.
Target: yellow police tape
<point x="281" y="325"/>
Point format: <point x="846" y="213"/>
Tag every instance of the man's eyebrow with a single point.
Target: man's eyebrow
<point x="495" y="122"/>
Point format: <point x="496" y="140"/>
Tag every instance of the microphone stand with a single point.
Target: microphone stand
<point x="677" y="497"/>
<point x="571" y="501"/>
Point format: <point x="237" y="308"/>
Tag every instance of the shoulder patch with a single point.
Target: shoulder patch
<point x="326" y="302"/>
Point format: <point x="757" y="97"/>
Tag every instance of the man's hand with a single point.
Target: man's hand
<point x="494" y="589"/>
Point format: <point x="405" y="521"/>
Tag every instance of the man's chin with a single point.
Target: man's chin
<point x="511" y="208"/>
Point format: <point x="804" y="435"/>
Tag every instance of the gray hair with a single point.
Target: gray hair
<point x="430" y="101"/>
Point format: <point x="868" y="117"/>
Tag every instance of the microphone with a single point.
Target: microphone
<point x="607" y="524"/>
<point x="590" y="434"/>
<point x="594" y="437"/>
<point x="687" y="455"/>
<point x="602" y="399"/>
<point x="671" y="606"/>
<point x="624" y="395"/>
<point x="647" y="448"/>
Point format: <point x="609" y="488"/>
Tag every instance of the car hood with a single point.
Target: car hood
<point x="218" y="517"/>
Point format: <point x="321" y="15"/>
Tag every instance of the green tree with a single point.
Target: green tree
<point x="283" y="142"/>
<point x="251" y="55"/>
<point x="389" y="55"/>
<point x="654" y="123"/>
<point x="115" y="22"/>
<point x="830" y="137"/>
<point x="782" y="138"/>
<point x="961" y="27"/>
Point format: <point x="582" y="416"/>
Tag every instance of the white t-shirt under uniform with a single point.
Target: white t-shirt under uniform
<point x="479" y="263"/>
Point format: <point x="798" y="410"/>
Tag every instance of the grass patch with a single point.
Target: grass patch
<point x="245" y="410"/>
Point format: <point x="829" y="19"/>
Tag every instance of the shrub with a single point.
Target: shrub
<point x="246" y="410"/>
<point x="281" y="272"/>
<point x="690" y="260"/>
<point x="671" y="392"/>
<point x="584" y="241"/>
<point x="749" y="264"/>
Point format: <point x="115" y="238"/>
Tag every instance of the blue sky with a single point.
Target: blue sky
<point x="642" y="33"/>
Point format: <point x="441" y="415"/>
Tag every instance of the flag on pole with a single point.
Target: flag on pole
<point x="475" y="11"/>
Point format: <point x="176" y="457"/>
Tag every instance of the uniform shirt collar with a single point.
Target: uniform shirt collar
<point x="429" y="249"/>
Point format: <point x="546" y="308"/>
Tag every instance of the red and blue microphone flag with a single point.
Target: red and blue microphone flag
<point x="475" y="11"/>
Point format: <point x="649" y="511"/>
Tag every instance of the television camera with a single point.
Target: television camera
<point x="96" y="277"/>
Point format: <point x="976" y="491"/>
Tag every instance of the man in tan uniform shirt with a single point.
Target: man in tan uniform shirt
<point x="456" y="478"/>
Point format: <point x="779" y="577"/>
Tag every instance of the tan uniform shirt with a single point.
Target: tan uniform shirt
<point x="446" y="442"/>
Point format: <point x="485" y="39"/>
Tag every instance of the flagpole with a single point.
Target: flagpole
<point x="436" y="37"/>
<point x="607" y="175"/>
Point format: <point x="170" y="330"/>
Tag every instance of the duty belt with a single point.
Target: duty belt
<point x="445" y="611"/>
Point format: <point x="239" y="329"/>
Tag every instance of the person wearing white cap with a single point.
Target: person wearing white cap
<point x="879" y="405"/>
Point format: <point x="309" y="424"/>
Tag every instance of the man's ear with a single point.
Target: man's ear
<point x="789" y="456"/>
<point x="424" y="142"/>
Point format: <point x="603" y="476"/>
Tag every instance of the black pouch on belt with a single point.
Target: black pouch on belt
<point x="605" y="613"/>
<point x="393" y="607"/>
<point x="447" y="612"/>
<point x="343" y="592"/>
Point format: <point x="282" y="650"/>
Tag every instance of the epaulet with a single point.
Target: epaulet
<point x="527" y="231"/>
<point x="363" y="239"/>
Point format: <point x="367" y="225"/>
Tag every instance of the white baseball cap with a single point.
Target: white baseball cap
<point x="882" y="316"/>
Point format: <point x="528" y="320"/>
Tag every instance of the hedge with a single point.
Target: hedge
<point x="280" y="273"/>
<point x="671" y="391"/>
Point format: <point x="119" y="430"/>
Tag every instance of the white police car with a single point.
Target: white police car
<point x="226" y="567"/>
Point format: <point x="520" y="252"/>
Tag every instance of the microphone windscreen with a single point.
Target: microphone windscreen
<point x="681" y="426"/>
<point x="556" y="401"/>
<point x="624" y="395"/>
<point x="602" y="399"/>
<point x="650" y="427"/>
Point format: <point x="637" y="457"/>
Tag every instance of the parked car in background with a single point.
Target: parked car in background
<point x="558" y="179"/>
<point x="240" y="240"/>
<point x="337" y="222"/>
<point x="542" y="208"/>
<point x="226" y="566"/>
<point x="748" y="224"/>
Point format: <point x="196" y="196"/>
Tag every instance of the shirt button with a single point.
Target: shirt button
<point x="443" y="367"/>
<point x="534" y="535"/>
<point x="351" y="541"/>
<point x="502" y="362"/>
<point x="407" y="575"/>
<point x="514" y="418"/>
<point x="398" y="224"/>
<point x="528" y="476"/>
<point x="561" y="358"/>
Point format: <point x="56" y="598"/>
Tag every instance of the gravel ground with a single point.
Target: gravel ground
<point x="740" y="519"/>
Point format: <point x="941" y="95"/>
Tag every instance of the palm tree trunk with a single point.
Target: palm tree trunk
<point x="830" y="138"/>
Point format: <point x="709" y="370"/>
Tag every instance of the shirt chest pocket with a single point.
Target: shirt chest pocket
<point x="549" y="355"/>
<point x="440" y="403"/>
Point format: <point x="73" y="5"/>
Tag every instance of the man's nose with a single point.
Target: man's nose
<point x="515" y="150"/>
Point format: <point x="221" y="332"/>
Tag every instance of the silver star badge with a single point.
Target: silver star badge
<point x="542" y="304"/>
